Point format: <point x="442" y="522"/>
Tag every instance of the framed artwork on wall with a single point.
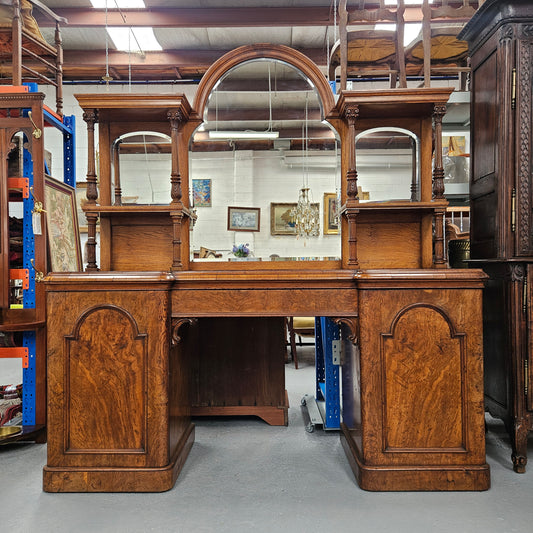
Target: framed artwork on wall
<point x="331" y="220"/>
<point x="62" y="225"/>
<point x="281" y="222"/>
<point x="244" y="218"/>
<point x="201" y="192"/>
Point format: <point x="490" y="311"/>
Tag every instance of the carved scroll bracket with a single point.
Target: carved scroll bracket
<point x="176" y="325"/>
<point x="353" y="325"/>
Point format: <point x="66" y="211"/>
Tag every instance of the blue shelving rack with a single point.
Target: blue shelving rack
<point x="67" y="127"/>
<point x="324" y="408"/>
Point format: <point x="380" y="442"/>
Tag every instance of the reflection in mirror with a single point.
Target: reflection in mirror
<point x="263" y="140"/>
<point x="388" y="165"/>
<point x="141" y="168"/>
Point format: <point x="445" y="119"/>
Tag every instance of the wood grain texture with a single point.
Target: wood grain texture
<point x="118" y="410"/>
<point x="420" y="411"/>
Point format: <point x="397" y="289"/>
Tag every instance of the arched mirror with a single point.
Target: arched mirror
<point x="264" y="169"/>
<point x="388" y="165"/>
<point x="141" y="168"/>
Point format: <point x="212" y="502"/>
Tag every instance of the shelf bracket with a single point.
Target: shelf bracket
<point x="16" y="351"/>
<point x="23" y="274"/>
<point x="20" y="183"/>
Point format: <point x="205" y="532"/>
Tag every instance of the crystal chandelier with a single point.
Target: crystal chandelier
<point x="305" y="215"/>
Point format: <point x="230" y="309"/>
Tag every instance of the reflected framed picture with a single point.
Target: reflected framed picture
<point x="201" y="192"/>
<point x="62" y="225"/>
<point x="281" y="222"/>
<point x="331" y="218"/>
<point x="244" y="218"/>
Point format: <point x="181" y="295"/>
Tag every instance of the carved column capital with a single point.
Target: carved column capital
<point x="351" y="113"/>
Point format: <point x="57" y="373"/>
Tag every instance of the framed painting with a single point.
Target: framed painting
<point x="244" y="218"/>
<point x="201" y="192"/>
<point x="62" y="224"/>
<point x="281" y="222"/>
<point x="331" y="219"/>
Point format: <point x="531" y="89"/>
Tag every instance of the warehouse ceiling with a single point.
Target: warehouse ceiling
<point x="192" y="33"/>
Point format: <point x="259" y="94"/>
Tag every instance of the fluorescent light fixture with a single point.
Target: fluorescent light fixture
<point x="219" y="134"/>
<point x="127" y="39"/>
<point x="118" y="4"/>
<point x="406" y="2"/>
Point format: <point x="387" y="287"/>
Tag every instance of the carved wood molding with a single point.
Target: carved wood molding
<point x="176" y="325"/>
<point x="353" y="325"/>
<point x="507" y="33"/>
<point x="524" y="140"/>
<point x="516" y="272"/>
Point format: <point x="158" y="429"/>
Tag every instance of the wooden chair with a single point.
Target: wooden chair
<point x="437" y="49"/>
<point x="303" y="326"/>
<point x="369" y="52"/>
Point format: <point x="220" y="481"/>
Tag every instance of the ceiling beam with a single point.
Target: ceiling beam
<point x="196" y="17"/>
<point x="233" y="17"/>
<point x="176" y="58"/>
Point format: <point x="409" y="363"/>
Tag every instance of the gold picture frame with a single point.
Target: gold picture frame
<point x="331" y="218"/>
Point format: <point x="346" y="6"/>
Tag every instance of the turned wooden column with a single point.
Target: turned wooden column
<point x="17" y="44"/>
<point x="438" y="187"/>
<point x="352" y="201"/>
<point x="116" y="169"/>
<point x="91" y="117"/>
<point x="175" y="117"/>
<point x="59" y="70"/>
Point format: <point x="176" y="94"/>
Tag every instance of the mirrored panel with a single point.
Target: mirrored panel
<point x="141" y="168"/>
<point x="264" y="169"/>
<point x="388" y="165"/>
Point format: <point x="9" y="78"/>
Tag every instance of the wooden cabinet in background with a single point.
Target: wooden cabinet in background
<point x="500" y="38"/>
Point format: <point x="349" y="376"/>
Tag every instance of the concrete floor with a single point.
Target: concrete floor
<point x="245" y="476"/>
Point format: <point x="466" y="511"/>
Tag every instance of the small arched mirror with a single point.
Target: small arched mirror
<point x="388" y="165"/>
<point x="263" y="141"/>
<point x="141" y="168"/>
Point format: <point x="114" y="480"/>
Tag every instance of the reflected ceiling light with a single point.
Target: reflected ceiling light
<point x="219" y="134"/>
<point x="117" y="4"/>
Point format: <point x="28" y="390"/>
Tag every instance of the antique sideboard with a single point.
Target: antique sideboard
<point x="129" y="354"/>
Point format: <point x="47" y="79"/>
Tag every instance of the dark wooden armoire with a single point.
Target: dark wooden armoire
<point x="500" y="37"/>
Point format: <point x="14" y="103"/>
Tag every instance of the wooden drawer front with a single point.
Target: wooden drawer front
<point x="263" y="302"/>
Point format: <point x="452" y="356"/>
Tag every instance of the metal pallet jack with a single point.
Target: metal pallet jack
<point x="324" y="408"/>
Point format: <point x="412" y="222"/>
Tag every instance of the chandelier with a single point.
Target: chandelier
<point x="305" y="215"/>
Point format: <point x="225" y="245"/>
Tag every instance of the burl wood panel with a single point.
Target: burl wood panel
<point x="239" y="368"/>
<point x="110" y="371"/>
<point x="421" y="393"/>
<point x="117" y="409"/>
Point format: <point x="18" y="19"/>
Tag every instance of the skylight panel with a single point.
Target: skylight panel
<point x="127" y="39"/>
